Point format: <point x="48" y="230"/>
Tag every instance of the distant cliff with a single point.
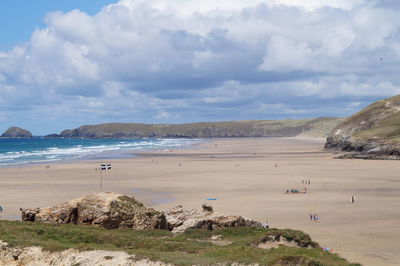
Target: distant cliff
<point x="372" y="133"/>
<point x="319" y="127"/>
<point x="16" y="132"/>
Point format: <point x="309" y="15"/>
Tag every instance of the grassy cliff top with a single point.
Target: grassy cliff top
<point x="379" y="120"/>
<point x="192" y="247"/>
<point x="318" y="127"/>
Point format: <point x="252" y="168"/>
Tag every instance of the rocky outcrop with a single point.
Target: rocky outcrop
<point x="179" y="219"/>
<point x="105" y="209"/>
<point x="319" y="127"/>
<point x="16" y="132"/>
<point x="112" y="210"/>
<point x="372" y="133"/>
<point x="33" y="256"/>
<point x="52" y="136"/>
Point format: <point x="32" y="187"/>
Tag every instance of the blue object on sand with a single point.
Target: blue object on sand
<point x="212" y="199"/>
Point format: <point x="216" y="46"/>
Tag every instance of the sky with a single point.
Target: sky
<point x="68" y="63"/>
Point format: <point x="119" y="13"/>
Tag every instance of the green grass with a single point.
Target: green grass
<point x="388" y="128"/>
<point x="246" y="128"/>
<point x="191" y="247"/>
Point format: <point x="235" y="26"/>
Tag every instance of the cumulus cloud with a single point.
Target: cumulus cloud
<point x="185" y="60"/>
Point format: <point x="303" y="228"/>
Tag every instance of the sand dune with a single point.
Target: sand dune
<point x="247" y="177"/>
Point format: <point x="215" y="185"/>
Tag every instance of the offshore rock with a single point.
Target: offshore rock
<point x="105" y="209"/>
<point x="16" y="132"/>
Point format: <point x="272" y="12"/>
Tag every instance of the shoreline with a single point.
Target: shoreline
<point x="248" y="177"/>
<point x="108" y="156"/>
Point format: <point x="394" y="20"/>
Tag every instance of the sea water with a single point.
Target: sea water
<point x="37" y="150"/>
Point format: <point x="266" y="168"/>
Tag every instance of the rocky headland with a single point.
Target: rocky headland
<point x="16" y="132"/>
<point x="372" y="133"/>
<point x="319" y="127"/>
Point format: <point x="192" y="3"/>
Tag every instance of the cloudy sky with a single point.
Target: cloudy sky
<point x="68" y="63"/>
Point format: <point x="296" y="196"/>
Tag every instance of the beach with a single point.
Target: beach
<point x="247" y="177"/>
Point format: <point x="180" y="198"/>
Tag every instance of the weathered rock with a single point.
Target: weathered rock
<point x="105" y="209"/>
<point x="179" y="219"/>
<point x="16" y="132"/>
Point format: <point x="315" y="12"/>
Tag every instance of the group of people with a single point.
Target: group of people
<point x="304" y="190"/>
<point x="314" y="217"/>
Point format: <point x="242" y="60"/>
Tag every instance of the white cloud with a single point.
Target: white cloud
<point x="185" y="60"/>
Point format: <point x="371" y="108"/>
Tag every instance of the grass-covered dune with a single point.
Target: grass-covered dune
<point x="194" y="247"/>
<point x="319" y="127"/>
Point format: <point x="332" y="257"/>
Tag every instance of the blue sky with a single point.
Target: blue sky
<point x="68" y="63"/>
<point x="19" y="18"/>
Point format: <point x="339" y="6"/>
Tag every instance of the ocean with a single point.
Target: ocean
<point x="37" y="150"/>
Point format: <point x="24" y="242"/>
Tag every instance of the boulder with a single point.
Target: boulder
<point x="179" y="219"/>
<point x="16" y="132"/>
<point x="104" y="209"/>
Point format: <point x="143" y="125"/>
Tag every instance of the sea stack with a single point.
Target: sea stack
<point x="16" y="132"/>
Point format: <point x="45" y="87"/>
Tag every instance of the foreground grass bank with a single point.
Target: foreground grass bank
<point x="200" y="247"/>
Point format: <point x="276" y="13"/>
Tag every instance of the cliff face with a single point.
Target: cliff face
<point x="374" y="131"/>
<point x="260" y="128"/>
<point x="16" y="132"/>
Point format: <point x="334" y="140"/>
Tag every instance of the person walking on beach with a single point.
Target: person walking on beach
<point x="353" y="199"/>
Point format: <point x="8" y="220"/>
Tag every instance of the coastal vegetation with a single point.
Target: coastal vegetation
<point x="319" y="127"/>
<point x="194" y="246"/>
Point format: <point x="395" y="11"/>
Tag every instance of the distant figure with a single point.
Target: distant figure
<point x="47" y="166"/>
<point x="353" y="199"/>
<point x="1" y="209"/>
<point x="287" y="191"/>
<point x="180" y="164"/>
<point x="311" y="217"/>
<point x="302" y="181"/>
<point x="266" y="225"/>
<point x="309" y="182"/>
<point x="276" y="165"/>
<point x="305" y="190"/>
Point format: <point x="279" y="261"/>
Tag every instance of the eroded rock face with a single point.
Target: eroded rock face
<point x="179" y="219"/>
<point x="105" y="209"/>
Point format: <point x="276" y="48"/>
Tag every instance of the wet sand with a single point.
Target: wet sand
<point x="248" y="177"/>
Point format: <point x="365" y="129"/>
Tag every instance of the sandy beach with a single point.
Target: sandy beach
<point x="247" y="177"/>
